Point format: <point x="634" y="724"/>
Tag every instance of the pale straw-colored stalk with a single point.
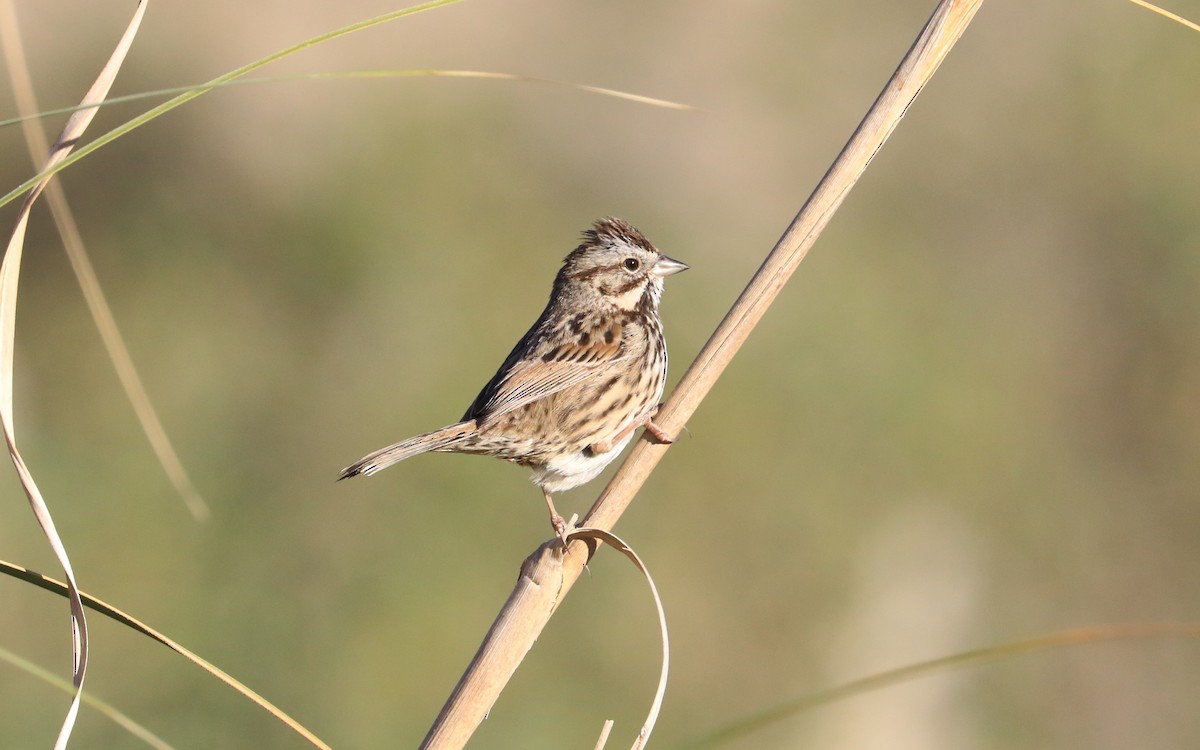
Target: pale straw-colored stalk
<point x="547" y="575"/>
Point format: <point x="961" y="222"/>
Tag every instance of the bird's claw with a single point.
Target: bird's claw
<point x="563" y="528"/>
<point x="659" y="433"/>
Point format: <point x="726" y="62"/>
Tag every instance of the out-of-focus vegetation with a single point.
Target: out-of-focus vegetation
<point x="974" y="415"/>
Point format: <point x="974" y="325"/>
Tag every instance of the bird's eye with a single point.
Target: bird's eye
<point x="632" y="264"/>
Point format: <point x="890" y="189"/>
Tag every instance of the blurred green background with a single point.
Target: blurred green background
<point x="972" y="417"/>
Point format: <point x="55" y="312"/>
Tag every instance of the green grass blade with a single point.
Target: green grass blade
<point x="104" y="707"/>
<point x="1061" y="639"/>
<point x="204" y="88"/>
<point x="106" y="609"/>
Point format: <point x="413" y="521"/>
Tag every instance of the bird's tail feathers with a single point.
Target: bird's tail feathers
<point x="430" y="441"/>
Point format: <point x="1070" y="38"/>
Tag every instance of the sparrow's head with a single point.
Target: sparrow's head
<point x="619" y="265"/>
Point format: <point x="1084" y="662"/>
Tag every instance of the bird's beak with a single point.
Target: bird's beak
<point x="667" y="266"/>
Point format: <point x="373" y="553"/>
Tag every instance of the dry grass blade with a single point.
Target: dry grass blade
<point x="97" y="605"/>
<point x="619" y="544"/>
<point x="10" y="272"/>
<point x="1162" y="12"/>
<point x="1061" y="639"/>
<point x="381" y="73"/>
<point x="615" y="93"/>
<point x="105" y="708"/>
<point x="604" y="732"/>
<point x="98" y="306"/>
<point x="480" y="685"/>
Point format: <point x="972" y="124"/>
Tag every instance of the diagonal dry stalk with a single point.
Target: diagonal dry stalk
<point x="548" y="574"/>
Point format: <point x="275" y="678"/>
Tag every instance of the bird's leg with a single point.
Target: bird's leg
<point x="645" y="420"/>
<point x="659" y="433"/>
<point x="556" y="521"/>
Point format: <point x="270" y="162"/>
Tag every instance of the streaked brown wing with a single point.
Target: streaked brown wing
<point x="539" y="367"/>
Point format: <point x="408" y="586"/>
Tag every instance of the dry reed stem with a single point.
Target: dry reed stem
<point x="547" y="575"/>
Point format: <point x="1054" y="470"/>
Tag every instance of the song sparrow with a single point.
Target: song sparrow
<point x="587" y="374"/>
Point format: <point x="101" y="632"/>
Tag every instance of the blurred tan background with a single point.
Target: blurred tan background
<point x="973" y="416"/>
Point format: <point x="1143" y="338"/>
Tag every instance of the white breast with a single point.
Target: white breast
<point x="573" y="469"/>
